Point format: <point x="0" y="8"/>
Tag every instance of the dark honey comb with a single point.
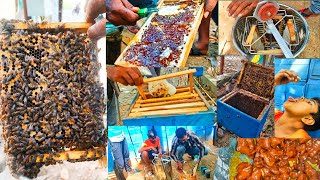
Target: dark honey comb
<point x="257" y="79"/>
<point x="164" y="33"/>
<point x="51" y="98"/>
<point x="247" y="104"/>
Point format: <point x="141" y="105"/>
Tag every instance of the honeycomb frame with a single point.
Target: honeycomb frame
<point x="51" y="98"/>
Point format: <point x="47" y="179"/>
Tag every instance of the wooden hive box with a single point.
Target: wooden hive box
<point x="244" y="110"/>
<point x="44" y="79"/>
<point x="186" y="107"/>
<point x="163" y="40"/>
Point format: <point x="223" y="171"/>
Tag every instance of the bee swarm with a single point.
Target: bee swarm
<point x="51" y="99"/>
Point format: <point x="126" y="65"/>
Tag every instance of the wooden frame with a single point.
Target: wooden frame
<point x="72" y="155"/>
<point x="189" y="40"/>
<point x="167" y="76"/>
<point x="184" y="108"/>
<point x="187" y="107"/>
<point x="181" y="103"/>
<point x="67" y="154"/>
<point x="245" y="64"/>
<point x="80" y="27"/>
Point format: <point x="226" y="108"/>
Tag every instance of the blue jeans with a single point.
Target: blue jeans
<point x="315" y="6"/>
<point x="121" y="154"/>
<point x="112" y="111"/>
<point x="181" y="150"/>
<point x="144" y="3"/>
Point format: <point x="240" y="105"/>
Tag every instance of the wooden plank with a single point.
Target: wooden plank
<point x="193" y="33"/>
<point x="166" y="107"/>
<point x="69" y="25"/>
<point x="251" y="34"/>
<point x="202" y="97"/>
<point x="277" y="17"/>
<point x="181" y="94"/>
<point x="140" y="89"/>
<point x="167" y="102"/>
<point x="167" y="76"/>
<point x="271" y="52"/>
<point x="72" y="155"/>
<point x="167" y="98"/>
<point x="291" y="31"/>
<point x="241" y="73"/>
<point x="169" y="112"/>
<point x="191" y="82"/>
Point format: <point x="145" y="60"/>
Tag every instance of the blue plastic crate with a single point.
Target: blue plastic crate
<point x="241" y="124"/>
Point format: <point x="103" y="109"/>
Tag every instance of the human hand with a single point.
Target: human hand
<point x="125" y="75"/>
<point x="180" y="166"/>
<point x="153" y="148"/>
<point x="286" y="76"/>
<point x="92" y="9"/>
<point x="209" y="6"/>
<point x="240" y="8"/>
<point x="121" y="12"/>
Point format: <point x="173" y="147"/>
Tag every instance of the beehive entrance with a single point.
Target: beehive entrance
<point x="250" y="105"/>
<point x="51" y="99"/>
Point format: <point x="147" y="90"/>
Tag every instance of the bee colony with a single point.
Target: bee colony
<point x="51" y="98"/>
<point x="166" y="38"/>
<point x="249" y="103"/>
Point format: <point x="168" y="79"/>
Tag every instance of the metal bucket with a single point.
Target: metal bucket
<point x="162" y="168"/>
<point x="242" y="27"/>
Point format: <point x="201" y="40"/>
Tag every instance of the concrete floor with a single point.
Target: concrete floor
<point x="226" y="23"/>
